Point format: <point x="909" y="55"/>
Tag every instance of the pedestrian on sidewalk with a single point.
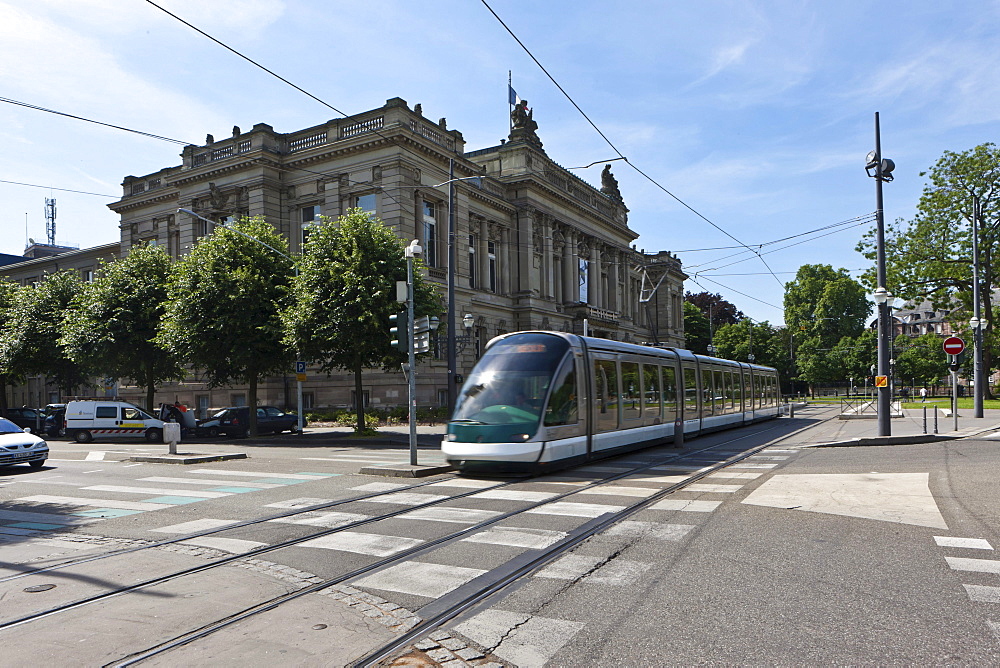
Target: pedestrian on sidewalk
<point x="923" y="394"/>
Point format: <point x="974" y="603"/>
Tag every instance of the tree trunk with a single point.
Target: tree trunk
<point x="252" y="401"/>
<point x="359" y="399"/>
<point x="150" y="388"/>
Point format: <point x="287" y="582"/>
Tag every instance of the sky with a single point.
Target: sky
<point x="749" y="121"/>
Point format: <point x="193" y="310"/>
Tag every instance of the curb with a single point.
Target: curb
<point x="186" y="458"/>
<point x="405" y="470"/>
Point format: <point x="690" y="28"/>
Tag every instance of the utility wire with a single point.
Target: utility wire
<point x="611" y="144"/>
<point x="67" y="190"/>
<point x="89" y="120"/>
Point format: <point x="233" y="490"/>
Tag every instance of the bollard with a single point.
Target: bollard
<point x="172" y="434"/>
<point x="925" y="419"/>
<point x="935" y="420"/>
<point x="791" y="410"/>
<point x="678" y="434"/>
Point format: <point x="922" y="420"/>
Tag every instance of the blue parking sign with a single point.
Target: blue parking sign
<point x="300" y="367"/>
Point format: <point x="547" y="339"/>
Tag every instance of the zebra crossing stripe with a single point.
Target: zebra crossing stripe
<point x="265" y="474"/>
<point x="206" y="481"/>
<point x="93" y="503"/>
<point x="972" y="543"/>
<point x="203" y="494"/>
<point x="420" y="579"/>
<point x="974" y="565"/>
<point x="983" y="594"/>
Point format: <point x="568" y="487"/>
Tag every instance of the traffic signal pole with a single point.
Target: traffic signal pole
<point x="411" y="360"/>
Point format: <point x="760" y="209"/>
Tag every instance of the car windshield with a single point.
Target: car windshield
<point x="8" y="427"/>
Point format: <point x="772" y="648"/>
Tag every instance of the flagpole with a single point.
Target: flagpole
<point x="510" y="107"/>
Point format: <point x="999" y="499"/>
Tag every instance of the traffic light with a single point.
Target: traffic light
<point x="400" y="331"/>
<point x="422" y="328"/>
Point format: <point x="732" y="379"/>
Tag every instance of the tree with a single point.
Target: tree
<point x="345" y="293"/>
<point x="931" y="255"/>
<point x="223" y="306"/>
<point x="920" y="360"/>
<point x="111" y="328"/>
<point x="696" y="333"/>
<point x="823" y="305"/>
<point x="718" y="310"/>
<point x="29" y="341"/>
<point x="8" y="290"/>
<point x="767" y="344"/>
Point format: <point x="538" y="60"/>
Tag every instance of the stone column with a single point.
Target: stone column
<point x="548" y="282"/>
<point x="611" y="300"/>
<point x="594" y="278"/>
<point x="571" y="280"/>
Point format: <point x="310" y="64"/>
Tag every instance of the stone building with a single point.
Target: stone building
<point x="536" y="247"/>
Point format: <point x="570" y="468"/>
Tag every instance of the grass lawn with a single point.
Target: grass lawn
<point x="941" y="402"/>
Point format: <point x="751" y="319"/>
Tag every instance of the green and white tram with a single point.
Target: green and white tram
<point x="542" y="400"/>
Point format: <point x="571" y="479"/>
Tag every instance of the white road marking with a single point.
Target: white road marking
<point x="904" y="498"/>
<point x="518" y="638"/>
<point x="53" y="482"/>
<point x="734" y="475"/>
<point x="209" y="481"/>
<point x="974" y="565"/>
<point x="658" y="530"/>
<point x="260" y="474"/>
<point x="621" y="490"/>
<point x="453" y="515"/>
<point x="193" y="526"/>
<point x="741" y="465"/>
<point x="303" y="502"/>
<point x="663" y="479"/>
<point x="517" y="537"/>
<point x="466" y="483"/>
<point x="407" y="498"/>
<point x="983" y="594"/>
<point x="322" y="518"/>
<point x="680" y="467"/>
<point x="513" y="495"/>
<point x="419" y="579"/>
<point x="95" y="503"/>
<point x="364" y="543"/>
<point x="682" y="504"/>
<point x="617" y="572"/>
<point x="94" y="471"/>
<point x="767" y="458"/>
<point x="234" y="545"/>
<point x="158" y="490"/>
<point x="128" y="466"/>
<point x="378" y="487"/>
<point x="712" y="487"/>
<point x="95" y="456"/>
<point x="972" y="543"/>
<point x="575" y="509"/>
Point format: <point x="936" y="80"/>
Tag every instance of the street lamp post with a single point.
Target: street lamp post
<point x="882" y="169"/>
<point x="978" y="323"/>
<point x="298" y="383"/>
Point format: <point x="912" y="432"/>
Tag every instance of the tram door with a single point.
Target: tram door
<point x="692" y="396"/>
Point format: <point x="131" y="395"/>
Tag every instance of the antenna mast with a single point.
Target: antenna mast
<point x="50" y="220"/>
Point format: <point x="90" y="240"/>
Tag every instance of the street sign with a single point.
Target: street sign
<point x="300" y="367"/>
<point x="881" y="381"/>
<point x="953" y="345"/>
<point x="300" y="377"/>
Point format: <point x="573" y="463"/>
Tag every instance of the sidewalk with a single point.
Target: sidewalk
<point x="907" y="429"/>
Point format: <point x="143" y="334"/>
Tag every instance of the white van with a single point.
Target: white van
<point x="86" y="419"/>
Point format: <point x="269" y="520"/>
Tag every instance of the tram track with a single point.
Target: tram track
<point x="581" y="533"/>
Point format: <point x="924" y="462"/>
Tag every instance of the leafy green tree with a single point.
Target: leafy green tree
<point x="766" y="343"/>
<point x="823" y="305"/>
<point x="345" y="293"/>
<point x="695" y="329"/>
<point x="855" y="356"/>
<point x="714" y="307"/>
<point x="111" y="328"/>
<point x="8" y="290"/>
<point x="920" y="360"/>
<point x="930" y="257"/>
<point x="223" y="306"/>
<point x="29" y="341"/>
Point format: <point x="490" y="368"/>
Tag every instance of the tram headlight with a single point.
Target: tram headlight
<point x="519" y="438"/>
<point x="449" y="437"/>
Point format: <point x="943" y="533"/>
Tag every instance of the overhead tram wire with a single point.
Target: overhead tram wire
<point x="89" y="120"/>
<point x="67" y="190"/>
<point x="615" y="148"/>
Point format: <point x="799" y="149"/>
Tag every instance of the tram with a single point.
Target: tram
<point x="538" y="400"/>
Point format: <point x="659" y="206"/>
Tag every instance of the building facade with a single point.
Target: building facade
<point x="536" y="247"/>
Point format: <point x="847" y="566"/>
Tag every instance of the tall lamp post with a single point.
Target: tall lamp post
<point x="410" y="252"/>
<point x="977" y="322"/>
<point x="298" y="383"/>
<point x="881" y="170"/>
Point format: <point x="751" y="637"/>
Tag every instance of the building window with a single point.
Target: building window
<point x="366" y="203"/>
<point x="308" y="215"/>
<point x="472" y="260"/>
<point x="365" y="396"/>
<point x="308" y="400"/>
<point x="238" y="400"/>
<point x="430" y="234"/>
<point x="87" y="275"/>
<point x="491" y="256"/>
<point x="442" y="397"/>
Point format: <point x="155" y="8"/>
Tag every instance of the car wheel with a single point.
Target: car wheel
<point x="213" y="431"/>
<point x="294" y="429"/>
<point x="37" y="464"/>
<point x="83" y="436"/>
<point x="154" y="436"/>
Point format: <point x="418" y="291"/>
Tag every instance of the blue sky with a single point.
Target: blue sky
<point x="757" y="115"/>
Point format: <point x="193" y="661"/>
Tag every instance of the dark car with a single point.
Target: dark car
<point x="236" y="421"/>
<point x="27" y="418"/>
<point x="55" y="420"/>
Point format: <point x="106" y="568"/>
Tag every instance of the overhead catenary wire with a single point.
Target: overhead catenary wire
<point x="67" y="190"/>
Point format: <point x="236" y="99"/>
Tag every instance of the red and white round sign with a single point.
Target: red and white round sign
<point x="953" y="345"/>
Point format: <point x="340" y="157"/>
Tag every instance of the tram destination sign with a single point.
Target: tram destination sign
<point x="953" y="345"/>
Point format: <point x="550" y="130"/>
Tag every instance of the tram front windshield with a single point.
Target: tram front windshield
<point x="509" y="384"/>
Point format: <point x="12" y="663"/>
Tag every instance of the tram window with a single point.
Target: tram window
<point x="562" y="408"/>
<point x="747" y="392"/>
<point x="690" y="393"/>
<point x="669" y="394"/>
<point x="730" y="391"/>
<point x="756" y="391"/>
<point x="606" y="380"/>
<point x="720" y="396"/>
<point x="631" y="391"/>
<point x="651" y="399"/>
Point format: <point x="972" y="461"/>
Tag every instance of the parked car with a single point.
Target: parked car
<point x="55" y="420"/>
<point x="27" y="418"/>
<point x="235" y="421"/>
<point x="210" y="425"/>
<point x="20" y="447"/>
<point x="110" y="419"/>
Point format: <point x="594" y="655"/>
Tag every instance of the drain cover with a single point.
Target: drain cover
<point x="38" y="588"/>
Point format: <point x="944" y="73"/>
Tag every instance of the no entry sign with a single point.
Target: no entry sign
<point x="954" y="345"/>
